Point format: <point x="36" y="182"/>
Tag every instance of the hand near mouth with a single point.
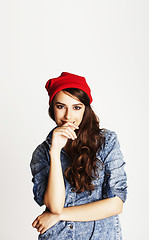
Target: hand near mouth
<point x="61" y="134"/>
<point x="71" y="124"/>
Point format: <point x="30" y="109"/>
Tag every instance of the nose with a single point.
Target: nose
<point x="67" y="114"/>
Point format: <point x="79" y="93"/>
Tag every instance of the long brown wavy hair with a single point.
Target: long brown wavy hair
<point x="83" y="168"/>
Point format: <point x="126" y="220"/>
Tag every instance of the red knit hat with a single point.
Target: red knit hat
<point x="67" y="80"/>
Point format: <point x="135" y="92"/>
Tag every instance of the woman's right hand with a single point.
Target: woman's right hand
<point x="62" y="134"/>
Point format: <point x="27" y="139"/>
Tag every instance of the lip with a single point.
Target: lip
<point x="66" y="121"/>
<point x="63" y="121"/>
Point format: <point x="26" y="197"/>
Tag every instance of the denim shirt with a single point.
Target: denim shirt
<point x="112" y="181"/>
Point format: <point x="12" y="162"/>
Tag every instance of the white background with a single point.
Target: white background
<point x="107" y="43"/>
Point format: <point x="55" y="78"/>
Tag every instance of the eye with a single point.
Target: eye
<point x="77" y="108"/>
<point x="59" y="106"/>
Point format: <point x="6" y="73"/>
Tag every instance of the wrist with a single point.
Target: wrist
<point x="54" y="151"/>
<point x="61" y="216"/>
<point x="64" y="214"/>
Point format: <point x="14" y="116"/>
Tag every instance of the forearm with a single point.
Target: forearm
<point x="54" y="197"/>
<point x="93" y="211"/>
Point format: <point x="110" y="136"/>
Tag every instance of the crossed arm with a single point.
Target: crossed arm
<point x="88" y="212"/>
<point x="93" y="211"/>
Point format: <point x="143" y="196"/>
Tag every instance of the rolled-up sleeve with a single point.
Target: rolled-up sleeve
<point x="40" y="170"/>
<point x="115" y="181"/>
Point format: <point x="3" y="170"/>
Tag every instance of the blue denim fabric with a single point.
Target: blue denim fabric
<point x="112" y="181"/>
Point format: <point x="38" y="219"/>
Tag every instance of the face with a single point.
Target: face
<point x="67" y="109"/>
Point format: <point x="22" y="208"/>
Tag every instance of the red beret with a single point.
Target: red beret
<point x="67" y="80"/>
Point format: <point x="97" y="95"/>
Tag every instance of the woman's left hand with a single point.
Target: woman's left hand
<point x="45" y="221"/>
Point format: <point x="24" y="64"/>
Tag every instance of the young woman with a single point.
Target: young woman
<point x="78" y="171"/>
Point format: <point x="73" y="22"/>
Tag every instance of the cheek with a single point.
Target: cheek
<point x="58" y="114"/>
<point x="80" y="116"/>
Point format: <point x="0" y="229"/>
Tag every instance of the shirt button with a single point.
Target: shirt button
<point x="71" y="226"/>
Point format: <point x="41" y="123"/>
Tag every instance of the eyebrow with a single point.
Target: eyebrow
<point x="72" y="105"/>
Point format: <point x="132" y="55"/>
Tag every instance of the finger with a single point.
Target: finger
<point x="71" y="124"/>
<point x="38" y="225"/>
<point x="43" y="231"/>
<point x="40" y="228"/>
<point x="73" y="132"/>
<point x="35" y="223"/>
<point x="69" y="133"/>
